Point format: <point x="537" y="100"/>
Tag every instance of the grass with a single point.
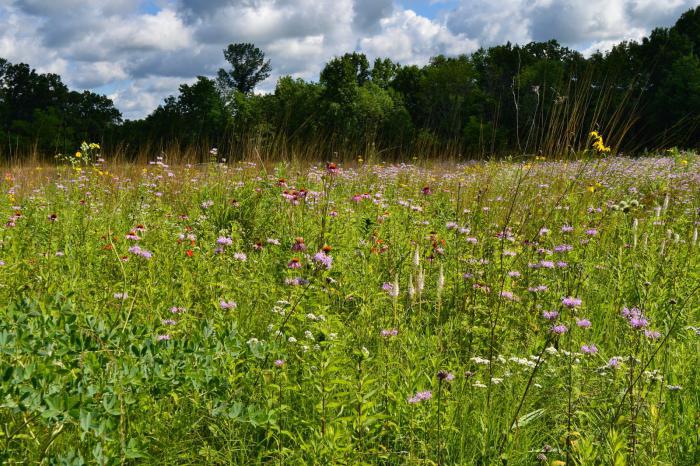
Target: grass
<point x="418" y="337"/>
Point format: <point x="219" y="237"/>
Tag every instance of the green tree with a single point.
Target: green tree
<point x="248" y="68"/>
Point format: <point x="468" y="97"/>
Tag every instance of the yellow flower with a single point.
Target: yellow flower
<point x="684" y="162"/>
<point x="78" y="154"/>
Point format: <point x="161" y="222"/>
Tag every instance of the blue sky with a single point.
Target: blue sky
<point x="140" y="51"/>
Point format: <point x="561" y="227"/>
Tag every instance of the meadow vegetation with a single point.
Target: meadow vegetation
<point x="524" y="311"/>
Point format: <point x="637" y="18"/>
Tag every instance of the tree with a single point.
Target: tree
<point x="249" y="68"/>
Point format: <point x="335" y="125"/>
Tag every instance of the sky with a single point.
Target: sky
<point x="139" y="51"/>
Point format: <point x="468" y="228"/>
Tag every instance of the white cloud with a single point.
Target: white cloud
<point x="581" y="24"/>
<point x="411" y="39"/>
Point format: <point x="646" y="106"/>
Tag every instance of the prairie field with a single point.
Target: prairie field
<point x="504" y="312"/>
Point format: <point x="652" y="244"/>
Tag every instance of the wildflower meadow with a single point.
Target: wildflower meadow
<point x="518" y="312"/>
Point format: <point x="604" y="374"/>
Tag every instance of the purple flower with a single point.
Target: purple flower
<point x="583" y="323"/>
<point x="295" y="263"/>
<point x="559" y="329"/>
<point x="652" y="334"/>
<point x="550" y="315"/>
<point x="279" y="362"/>
<point x="168" y="322"/>
<point x="547" y="264"/>
<point x="137" y="251"/>
<point x="563" y="248"/>
<point x="228" y="304"/>
<point x="420" y="396"/>
<point x="298" y="281"/>
<point x="224" y="241"/>
<point x="444" y="375"/>
<point x="589" y="349"/>
<point x="387" y="333"/>
<point x="240" y="256"/>
<point x="591" y="232"/>
<point x="567" y="229"/>
<point x="614" y="362"/>
<point x="571" y="302"/>
<point x="163" y="337"/>
<point x="323" y="260"/>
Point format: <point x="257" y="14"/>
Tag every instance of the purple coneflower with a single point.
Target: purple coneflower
<point x="295" y="263"/>
<point x="299" y="244"/>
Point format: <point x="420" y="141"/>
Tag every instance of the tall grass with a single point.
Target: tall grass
<point x="462" y="314"/>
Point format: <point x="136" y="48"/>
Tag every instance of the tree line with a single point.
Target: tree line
<point x="539" y="97"/>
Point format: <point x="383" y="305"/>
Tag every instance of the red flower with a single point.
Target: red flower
<point x="189" y="253"/>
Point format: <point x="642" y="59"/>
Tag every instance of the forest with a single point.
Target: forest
<point x="536" y="98"/>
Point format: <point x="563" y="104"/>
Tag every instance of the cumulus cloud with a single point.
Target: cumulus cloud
<point x="142" y="50"/>
<point x="410" y="39"/>
<point x="581" y="24"/>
